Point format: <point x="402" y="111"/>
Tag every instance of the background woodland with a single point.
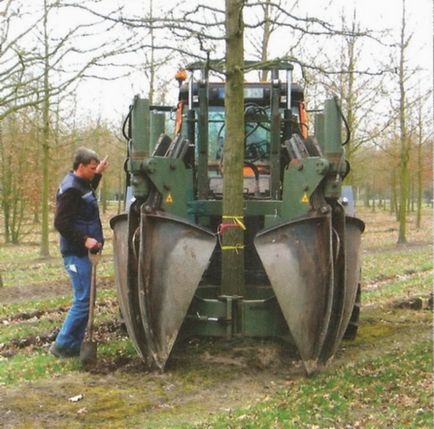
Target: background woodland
<point x="51" y="50"/>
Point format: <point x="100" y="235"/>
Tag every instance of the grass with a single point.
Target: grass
<point x="418" y="285"/>
<point x="7" y="310"/>
<point x="18" y="368"/>
<point x="37" y="363"/>
<point x="35" y="271"/>
<point x="49" y="304"/>
<point x="29" y="367"/>
<point x="386" y="389"/>
<point x="22" y="265"/>
<point x="27" y="329"/>
<point x="374" y="393"/>
<point x="392" y="264"/>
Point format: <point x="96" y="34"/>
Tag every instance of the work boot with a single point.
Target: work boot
<point x="61" y="352"/>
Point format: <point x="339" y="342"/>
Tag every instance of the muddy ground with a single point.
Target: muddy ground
<point x="202" y="377"/>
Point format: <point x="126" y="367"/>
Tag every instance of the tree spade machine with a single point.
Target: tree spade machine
<point x="301" y="236"/>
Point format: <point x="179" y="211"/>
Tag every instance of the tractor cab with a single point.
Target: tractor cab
<point x="257" y="113"/>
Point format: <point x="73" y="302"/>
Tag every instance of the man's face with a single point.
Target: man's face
<point x="87" y="172"/>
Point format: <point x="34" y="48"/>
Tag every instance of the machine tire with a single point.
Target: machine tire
<point x="353" y="325"/>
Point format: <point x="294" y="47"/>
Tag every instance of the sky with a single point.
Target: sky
<point x="110" y="100"/>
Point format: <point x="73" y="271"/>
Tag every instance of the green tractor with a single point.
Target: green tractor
<point x="301" y="238"/>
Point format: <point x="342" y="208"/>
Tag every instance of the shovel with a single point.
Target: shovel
<point x="89" y="346"/>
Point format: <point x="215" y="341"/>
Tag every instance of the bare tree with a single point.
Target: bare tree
<point x="18" y="56"/>
<point x="59" y="76"/>
<point x="422" y="140"/>
<point x="41" y="62"/>
<point x="404" y="138"/>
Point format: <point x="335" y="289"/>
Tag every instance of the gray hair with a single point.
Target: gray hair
<point x="84" y="156"/>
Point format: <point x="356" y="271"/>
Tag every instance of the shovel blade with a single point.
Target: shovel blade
<point x="88" y="352"/>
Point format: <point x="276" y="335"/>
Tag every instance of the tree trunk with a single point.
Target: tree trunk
<point x="104" y="196"/>
<point x="350" y="99"/>
<point x="233" y="155"/>
<point x="419" y="170"/>
<point x="404" y="143"/>
<point x="411" y="196"/>
<point x="44" y="249"/>
<point x="121" y="189"/>
<point x="394" y="200"/>
<point x="367" y="195"/>
<point x="5" y="185"/>
<point x="265" y="37"/>
<point x="152" y="65"/>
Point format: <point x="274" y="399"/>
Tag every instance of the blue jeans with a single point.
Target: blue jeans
<point x="72" y="332"/>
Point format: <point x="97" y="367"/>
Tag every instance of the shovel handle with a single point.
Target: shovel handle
<point x="94" y="259"/>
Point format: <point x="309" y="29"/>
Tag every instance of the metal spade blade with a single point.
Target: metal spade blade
<point x="173" y="256"/>
<point x="297" y="257"/>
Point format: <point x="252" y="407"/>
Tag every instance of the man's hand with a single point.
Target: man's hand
<point x="92" y="244"/>
<point x="102" y="165"/>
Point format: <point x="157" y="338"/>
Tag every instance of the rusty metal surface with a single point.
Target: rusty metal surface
<point x="297" y="257"/>
<point x="173" y="256"/>
<point x="353" y="232"/>
<point x="125" y="262"/>
<point x="313" y="266"/>
<point x="339" y="297"/>
<point x="348" y="232"/>
<point x="119" y="225"/>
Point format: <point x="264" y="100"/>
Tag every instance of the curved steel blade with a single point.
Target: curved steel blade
<point x="339" y="284"/>
<point x="125" y="263"/>
<point x="173" y="256"/>
<point x="346" y="246"/>
<point x="297" y="257"/>
<point x="353" y="232"/>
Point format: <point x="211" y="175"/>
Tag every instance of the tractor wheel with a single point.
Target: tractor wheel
<point x="353" y="325"/>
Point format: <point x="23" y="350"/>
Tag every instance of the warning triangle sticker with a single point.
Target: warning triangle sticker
<point x="169" y="199"/>
<point x="304" y="198"/>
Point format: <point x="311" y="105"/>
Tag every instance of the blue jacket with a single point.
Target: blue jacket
<point x="77" y="214"/>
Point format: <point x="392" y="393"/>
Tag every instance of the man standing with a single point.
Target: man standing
<point x="78" y="222"/>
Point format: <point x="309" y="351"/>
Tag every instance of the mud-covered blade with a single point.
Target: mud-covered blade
<point x="346" y="247"/>
<point x="119" y="225"/>
<point x="125" y="263"/>
<point x="297" y="257"/>
<point x="173" y="256"/>
<point x="353" y="232"/>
